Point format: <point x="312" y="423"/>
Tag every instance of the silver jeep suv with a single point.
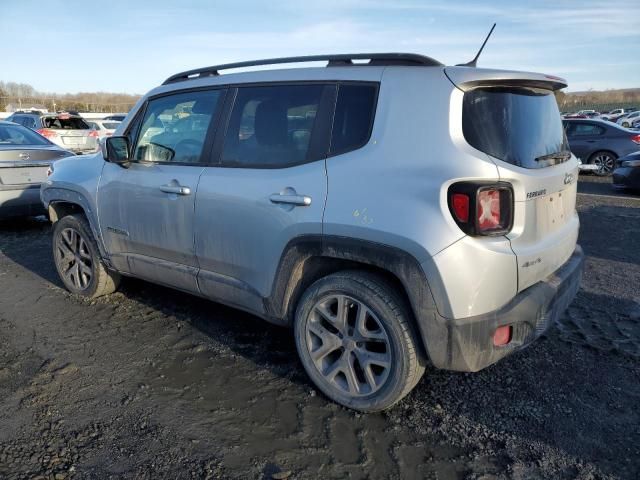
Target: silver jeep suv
<point x="397" y="213"/>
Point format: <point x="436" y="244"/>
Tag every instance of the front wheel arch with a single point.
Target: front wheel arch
<point x="58" y="210"/>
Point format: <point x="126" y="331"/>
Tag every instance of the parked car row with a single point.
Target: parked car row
<point x="599" y="143"/>
<point x="629" y="117"/>
<point x="25" y="158"/>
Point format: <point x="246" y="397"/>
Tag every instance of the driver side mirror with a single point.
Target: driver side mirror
<point x="116" y="150"/>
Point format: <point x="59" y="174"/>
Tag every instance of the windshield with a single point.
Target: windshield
<point x="521" y="126"/>
<point x="17" y="135"/>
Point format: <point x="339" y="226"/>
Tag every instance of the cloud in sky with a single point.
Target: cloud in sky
<point x="67" y="46"/>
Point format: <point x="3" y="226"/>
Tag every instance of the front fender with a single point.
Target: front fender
<point x="74" y="182"/>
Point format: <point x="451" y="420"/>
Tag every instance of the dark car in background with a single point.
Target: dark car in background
<point x="627" y="172"/>
<point x="599" y="142"/>
<point x="25" y="158"/>
<point x="66" y="129"/>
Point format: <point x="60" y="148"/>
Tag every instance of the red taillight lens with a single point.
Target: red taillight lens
<point x="482" y="208"/>
<point x="488" y="209"/>
<point x="636" y="139"/>
<point x="460" y="206"/>
<point x="94" y="134"/>
<point x="47" y="133"/>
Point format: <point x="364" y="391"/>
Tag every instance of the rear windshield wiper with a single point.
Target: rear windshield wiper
<point x="560" y="157"/>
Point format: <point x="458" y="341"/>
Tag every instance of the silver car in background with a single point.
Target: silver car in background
<point x="67" y="130"/>
<point x="25" y="158"/>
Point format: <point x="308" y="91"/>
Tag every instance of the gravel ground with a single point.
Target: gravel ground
<point x="153" y="383"/>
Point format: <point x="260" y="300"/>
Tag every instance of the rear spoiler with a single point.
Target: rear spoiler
<point x="466" y="78"/>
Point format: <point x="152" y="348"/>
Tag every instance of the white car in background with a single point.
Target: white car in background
<point x="629" y="119"/>
<point x="105" y="128"/>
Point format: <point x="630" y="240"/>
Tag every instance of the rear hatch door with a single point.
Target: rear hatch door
<point x="72" y="130"/>
<point x="513" y="118"/>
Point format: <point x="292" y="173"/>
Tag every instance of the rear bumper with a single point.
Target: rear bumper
<point x="469" y="345"/>
<point x="20" y="201"/>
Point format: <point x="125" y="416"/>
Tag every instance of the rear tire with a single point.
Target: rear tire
<point x="606" y="162"/>
<point x="357" y="342"/>
<point x="77" y="259"/>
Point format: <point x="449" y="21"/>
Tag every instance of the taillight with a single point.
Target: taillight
<point x="489" y="211"/>
<point x="482" y="208"/>
<point x="636" y="139"/>
<point x="47" y="133"/>
<point x="94" y="134"/>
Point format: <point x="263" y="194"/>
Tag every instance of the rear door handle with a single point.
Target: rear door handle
<point x="177" y="189"/>
<point x="291" y="199"/>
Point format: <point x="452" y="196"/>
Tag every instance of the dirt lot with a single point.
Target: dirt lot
<point x="152" y="383"/>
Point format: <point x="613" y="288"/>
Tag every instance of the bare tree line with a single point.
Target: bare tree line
<point x="598" y="100"/>
<point x="23" y="96"/>
<point x="15" y="96"/>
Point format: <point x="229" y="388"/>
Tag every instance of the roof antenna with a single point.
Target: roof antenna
<point x="473" y="62"/>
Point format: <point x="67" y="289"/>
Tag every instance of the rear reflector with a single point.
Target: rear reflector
<point x="502" y="335"/>
<point x="460" y="206"/>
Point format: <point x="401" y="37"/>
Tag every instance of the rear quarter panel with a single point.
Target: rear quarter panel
<point x="393" y="191"/>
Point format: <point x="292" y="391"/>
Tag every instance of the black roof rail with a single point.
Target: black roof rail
<point x="375" y="59"/>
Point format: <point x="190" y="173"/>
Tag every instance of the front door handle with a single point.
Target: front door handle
<point x="291" y="199"/>
<point x="177" y="189"/>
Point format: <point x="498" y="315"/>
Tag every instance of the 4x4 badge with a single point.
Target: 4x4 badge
<point x="568" y="178"/>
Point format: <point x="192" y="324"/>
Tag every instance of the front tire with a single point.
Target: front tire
<point x="78" y="261"/>
<point x="357" y="342"/>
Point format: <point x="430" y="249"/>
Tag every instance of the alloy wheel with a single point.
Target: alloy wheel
<point x="74" y="258"/>
<point x="605" y="163"/>
<point x="348" y="345"/>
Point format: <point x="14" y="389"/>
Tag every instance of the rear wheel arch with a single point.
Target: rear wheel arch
<point x="308" y="259"/>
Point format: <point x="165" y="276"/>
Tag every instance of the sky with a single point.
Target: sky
<point x="131" y="46"/>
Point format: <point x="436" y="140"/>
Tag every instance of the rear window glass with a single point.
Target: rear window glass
<point x="353" y="118"/>
<point x="111" y="126"/>
<point x="16" y="135"/>
<point x="516" y="125"/>
<point x="66" y="123"/>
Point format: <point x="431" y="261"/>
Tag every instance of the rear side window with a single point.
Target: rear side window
<point x="66" y="123"/>
<point x="353" y="119"/>
<point x="516" y="125"/>
<point x="272" y="126"/>
<point x="583" y="129"/>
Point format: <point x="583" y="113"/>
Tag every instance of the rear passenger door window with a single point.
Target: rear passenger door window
<point x="174" y="127"/>
<point x="278" y="126"/>
<point x="353" y="119"/>
<point x="585" y="129"/>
